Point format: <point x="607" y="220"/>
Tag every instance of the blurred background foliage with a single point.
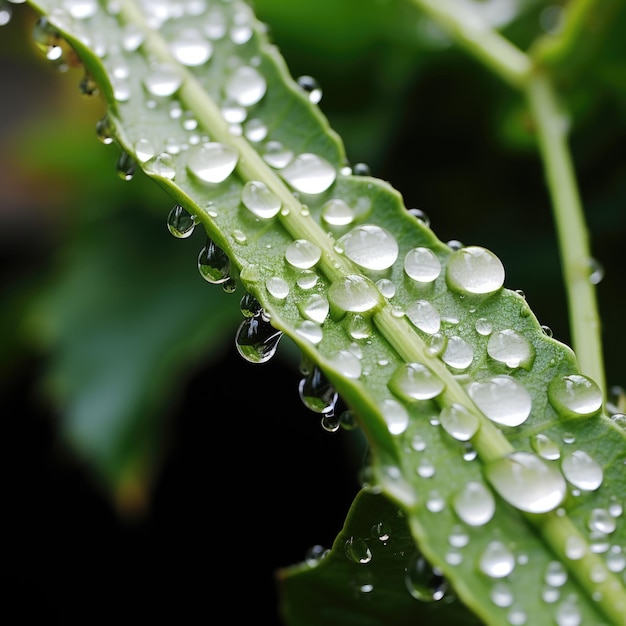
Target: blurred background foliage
<point x="136" y="438"/>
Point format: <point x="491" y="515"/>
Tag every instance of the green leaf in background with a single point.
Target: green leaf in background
<point x="482" y="429"/>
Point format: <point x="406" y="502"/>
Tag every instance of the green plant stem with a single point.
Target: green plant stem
<point x="551" y="126"/>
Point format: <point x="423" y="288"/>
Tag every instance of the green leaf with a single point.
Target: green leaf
<point x="479" y="424"/>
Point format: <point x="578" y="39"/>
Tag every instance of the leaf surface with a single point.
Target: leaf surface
<point x="480" y="425"/>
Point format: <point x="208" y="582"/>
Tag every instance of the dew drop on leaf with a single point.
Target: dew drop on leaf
<point x="496" y="561"/>
<point x="163" y="80"/>
<point x="502" y="399"/>
<point x="314" y="308"/>
<point x="302" y="254"/>
<point x="574" y="395"/>
<point x="545" y="447"/>
<point x="370" y="247"/>
<point x="276" y="155"/>
<point x="161" y="165"/>
<point x="511" y="348"/>
<point x="260" y="200"/>
<point x="309" y="173"/>
<point x="246" y="86"/>
<point x="458" y="354"/>
<point x="459" y="422"/>
<point x="309" y="330"/>
<point x="126" y="166"/>
<point x="311" y="87"/>
<point x="422" y="265"/>
<point x="474" y="270"/>
<point x="277" y="287"/>
<point x="180" y="222"/>
<point x="415" y="381"/>
<point x="423" y="581"/>
<point x="256" y="339"/>
<point x="424" y="316"/>
<point x="337" y="212"/>
<point x="81" y="9"/>
<point x="582" y="471"/>
<point x="191" y="48"/>
<point x="354" y="293"/>
<point x="527" y="482"/>
<point x="395" y="416"/>
<point x="357" y="550"/>
<point x="474" y="504"/>
<point x="212" y="162"/>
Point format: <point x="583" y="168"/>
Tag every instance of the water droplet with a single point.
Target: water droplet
<point x="574" y="395"/>
<point x="502" y="399"/>
<point x="600" y="520"/>
<point x="317" y="393"/>
<point x="104" y="130"/>
<point x="474" y="270"/>
<point x="144" y="150"/>
<point x="311" y="87"/>
<point x="575" y="547"/>
<point x="315" y="554"/>
<point x="314" y="308"/>
<point x="370" y="247"/>
<point x="458" y="354"/>
<point x="458" y="422"/>
<point x="386" y="287"/>
<point x="337" y="212"/>
<point x="126" y="166"/>
<point x="346" y="363"/>
<point x="357" y="550"/>
<point x="582" y="471"/>
<point x="191" y="48"/>
<point x="330" y="422"/>
<point x="309" y="330"/>
<point x="382" y="532"/>
<point x="555" y="574"/>
<point x="309" y="173"/>
<point x="161" y="165"/>
<point x="87" y="85"/>
<point x="474" y="504"/>
<point x="302" y="254"/>
<point x="511" y="348"/>
<point x="213" y="263"/>
<point x="423" y="581"/>
<point x="497" y="560"/>
<point x="361" y="169"/>
<point x="424" y="316"/>
<point x="395" y="416"/>
<point x="527" y="482"/>
<point x="354" y="293"/>
<point x="163" y="80"/>
<point x="307" y="280"/>
<point x="545" y="447"/>
<point x="249" y="305"/>
<point x="260" y="200"/>
<point x="212" y="162"/>
<point x="246" y="86"/>
<point x="517" y="616"/>
<point x="483" y="326"/>
<point x="596" y="272"/>
<point x="425" y="469"/>
<point x="415" y="381"/>
<point x="436" y="344"/>
<point x="180" y="222"/>
<point x="615" y="559"/>
<point x="276" y="155"/>
<point x="567" y="613"/>
<point x="255" y="130"/>
<point x="501" y="594"/>
<point x="81" y="9"/>
<point x="256" y="339"/>
<point x="422" y="265"/>
<point x="419" y="215"/>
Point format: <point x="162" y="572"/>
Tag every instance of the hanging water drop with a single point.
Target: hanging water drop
<point x="256" y="339"/>
<point x="104" y="130"/>
<point x="527" y="482"/>
<point x="317" y="392"/>
<point x="180" y="222"/>
<point x="126" y="166"/>
<point x="474" y="270"/>
<point x="213" y="263"/>
<point x="357" y="550"/>
<point x="575" y="395"/>
<point x="423" y="581"/>
<point x="249" y="305"/>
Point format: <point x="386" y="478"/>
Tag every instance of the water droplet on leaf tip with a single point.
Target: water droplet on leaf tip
<point x="311" y="87"/>
<point x="256" y="339"/>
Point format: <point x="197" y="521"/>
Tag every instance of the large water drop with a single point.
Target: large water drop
<point x="474" y="504"/>
<point x="370" y="247"/>
<point x="502" y="399"/>
<point x="256" y="339"/>
<point x="422" y="265"/>
<point x="582" y="471"/>
<point x="303" y="254"/>
<point x="424" y="316"/>
<point x="213" y="263"/>
<point x="180" y="222"/>
<point x="574" y="395"/>
<point x="423" y="581"/>
<point x="317" y="393"/>
<point x="511" y="348"/>
<point x="474" y="270"/>
<point x="309" y="173"/>
<point x="527" y="482"/>
<point x="458" y="422"/>
<point x="212" y="162"/>
<point x="246" y="86"/>
<point x="415" y="381"/>
<point x="354" y="293"/>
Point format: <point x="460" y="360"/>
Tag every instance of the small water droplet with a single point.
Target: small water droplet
<point x="458" y="354"/>
<point x="317" y="392"/>
<point x="311" y="87"/>
<point x="575" y="547"/>
<point x="315" y="554"/>
<point x="415" y="381"/>
<point x="255" y="130"/>
<point x="163" y="80"/>
<point x="496" y="561"/>
<point x="600" y="520"/>
<point x="161" y="165"/>
<point x="615" y="559"/>
<point x="582" y="471"/>
<point x="436" y="344"/>
<point x="502" y="399"/>
<point x="555" y="574"/>
<point x="309" y="173"/>
<point x="425" y="469"/>
<point x="104" y="130"/>
<point x="337" y="212"/>
<point x="276" y="155"/>
<point x="309" y="330"/>
<point x="568" y="613"/>
<point x="302" y="254"/>
<point x="180" y="222"/>
<point x="213" y="263"/>
<point x="483" y="326"/>
<point x="81" y="9"/>
<point x="545" y="447"/>
<point x="212" y="162"/>
<point x="424" y="316"/>
<point x="596" y="272"/>
<point x="501" y="594"/>
<point x="126" y="166"/>
<point x="382" y="532"/>
<point x="422" y="265"/>
<point x="458" y="422"/>
<point x="423" y="581"/>
<point x="419" y="215"/>
<point x="474" y="270"/>
<point x="346" y="363"/>
<point x="357" y="550"/>
<point x="256" y="339"/>
<point x="575" y="395"/>
<point x="386" y="287"/>
<point x="370" y="247"/>
<point x="474" y="504"/>
<point x="246" y="86"/>
<point x="191" y="48"/>
<point x="527" y="482"/>
<point x="511" y="348"/>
